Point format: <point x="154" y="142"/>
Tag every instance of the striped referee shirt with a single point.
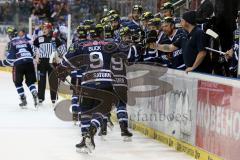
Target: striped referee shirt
<point x="45" y="46"/>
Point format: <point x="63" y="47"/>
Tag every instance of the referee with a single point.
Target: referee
<point x="44" y="46"/>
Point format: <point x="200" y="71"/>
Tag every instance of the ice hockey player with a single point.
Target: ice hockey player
<point x="137" y="11"/>
<point x="116" y="25"/>
<point x="150" y="55"/>
<point x="97" y="76"/>
<point x="119" y="70"/>
<point x="134" y="51"/>
<point x="173" y="34"/>
<point x="146" y="16"/>
<point x="20" y="56"/>
<point x="76" y="76"/>
<point x="118" y="67"/>
<point x="168" y="11"/>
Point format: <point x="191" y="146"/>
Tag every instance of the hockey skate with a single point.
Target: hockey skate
<point x="125" y="133"/>
<point x="90" y="138"/>
<point x="87" y="145"/>
<point x="103" y="132"/>
<point x="35" y="99"/>
<point x="23" y="103"/>
<point x="81" y="147"/>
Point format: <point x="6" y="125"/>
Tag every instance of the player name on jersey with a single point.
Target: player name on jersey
<point x="97" y="75"/>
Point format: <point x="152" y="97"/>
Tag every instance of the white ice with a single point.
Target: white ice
<point x="39" y="135"/>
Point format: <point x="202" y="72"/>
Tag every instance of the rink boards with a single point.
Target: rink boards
<point x="197" y="114"/>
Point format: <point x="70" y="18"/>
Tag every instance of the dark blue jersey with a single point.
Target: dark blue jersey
<point x="119" y="62"/>
<point x="163" y="57"/>
<point x="133" y="54"/>
<point x="78" y="72"/>
<point x="19" y="52"/>
<point x="132" y="25"/>
<point x="116" y="35"/>
<point x="95" y="57"/>
<point x="177" y="56"/>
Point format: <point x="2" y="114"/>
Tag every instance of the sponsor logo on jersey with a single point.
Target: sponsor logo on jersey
<point x="95" y="43"/>
<point x="21" y="46"/>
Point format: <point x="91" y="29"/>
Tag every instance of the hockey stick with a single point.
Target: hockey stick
<point x="214" y="50"/>
<point x="212" y="33"/>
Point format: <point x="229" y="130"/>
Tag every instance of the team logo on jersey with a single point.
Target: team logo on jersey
<point x="41" y="39"/>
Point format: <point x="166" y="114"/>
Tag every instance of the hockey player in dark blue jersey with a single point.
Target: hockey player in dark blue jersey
<point x="118" y="67"/>
<point x="137" y="11"/>
<point x="120" y="86"/>
<point x="233" y="54"/>
<point x="146" y="16"/>
<point x="168" y="11"/>
<point x="150" y="55"/>
<point x="163" y="58"/>
<point x="76" y="75"/>
<point x="20" y="56"/>
<point x="173" y="34"/>
<point x="135" y="51"/>
<point x="98" y="78"/>
<point x="116" y="25"/>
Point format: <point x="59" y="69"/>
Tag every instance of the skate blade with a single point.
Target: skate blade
<point x="127" y="139"/>
<point x="89" y="145"/>
<point x="23" y="107"/>
<point x="84" y="150"/>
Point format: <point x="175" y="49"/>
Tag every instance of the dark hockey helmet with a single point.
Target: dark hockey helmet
<point x="105" y="21"/>
<point x="81" y="31"/>
<point x="155" y="21"/>
<point x="147" y="16"/>
<point x="125" y="31"/>
<point x="168" y="6"/>
<point x="138" y="8"/>
<point x="108" y="31"/>
<point x="115" y="17"/>
<point x="88" y="22"/>
<point x="95" y="31"/>
<point x="12" y="32"/>
<point x="92" y="32"/>
<point x="111" y="12"/>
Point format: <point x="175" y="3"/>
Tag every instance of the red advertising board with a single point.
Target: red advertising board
<point x="218" y="119"/>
